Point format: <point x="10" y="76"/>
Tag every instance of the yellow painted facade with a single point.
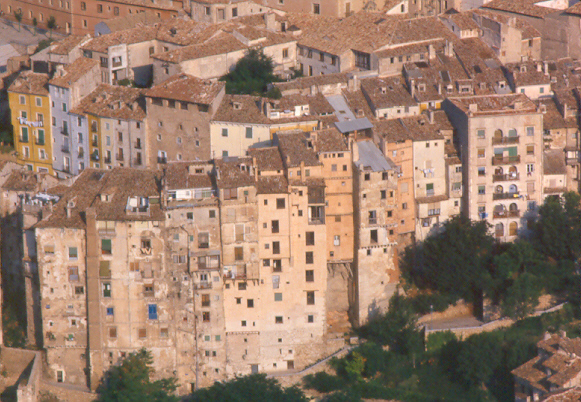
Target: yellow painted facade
<point x="31" y="122"/>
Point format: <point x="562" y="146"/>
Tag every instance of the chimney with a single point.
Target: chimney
<point x="547" y="336"/>
<point x="412" y="88"/>
<point x="313" y="90"/>
<point x="449" y="49"/>
<point x="68" y="211"/>
<point x="354" y="148"/>
<point x="270" y="21"/>
<point x="431" y="116"/>
<point x="473" y="107"/>
<point x="546" y="67"/>
<point x="431" y="52"/>
<point x="439" y="88"/>
<point x="565" y="110"/>
<point x="539" y="67"/>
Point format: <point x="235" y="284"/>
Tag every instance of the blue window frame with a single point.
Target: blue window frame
<point x="152" y="311"/>
<point x="110" y="311"/>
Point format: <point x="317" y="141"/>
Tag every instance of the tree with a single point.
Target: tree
<point x="130" y="382"/>
<point x="51" y="24"/>
<point x="18" y="16"/>
<point x="557" y="234"/>
<point x="455" y="261"/>
<point x="251" y="75"/>
<point x="34" y="24"/>
<point x="252" y="388"/>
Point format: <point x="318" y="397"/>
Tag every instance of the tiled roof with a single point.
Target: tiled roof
<point x="132" y="20"/>
<point x="129" y="36"/>
<point x="65" y="45"/>
<point x="463" y="21"/>
<point x="20" y="180"/>
<point x="294" y="150"/>
<point x="267" y="159"/>
<point x="387" y="92"/>
<point x="220" y="44"/>
<point x="73" y="72"/>
<point x="496" y="104"/>
<point x="574" y="9"/>
<point x="415" y="128"/>
<point x="234" y="172"/>
<point x="553" y="119"/>
<point x="31" y="83"/>
<point x="528" y="73"/>
<point x="317" y="80"/>
<point x="330" y="140"/>
<point x="241" y="109"/>
<point x="113" y="101"/>
<point x="527" y="30"/>
<point x="187" y="88"/>
<point x="178" y="175"/>
<point x="524" y="7"/>
<point x="119" y="184"/>
<point x="272" y="185"/>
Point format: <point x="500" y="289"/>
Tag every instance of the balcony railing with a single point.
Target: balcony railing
<point x="505" y="177"/>
<point x="81" y="154"/>
<point x="39" y="142"/>
<point x="504" y="196"/>
<point x="119" y="157"/>
<point x="23" y="139"/>
<point x="137" y="161"/>
<point x="317" y="221"/>
<point x="434" y="212"/>
<point x="504" y="160"/>
<point x="505" y="140"/>
<point x="107" y="160"/>
<point x="373" y="221"/>
<point x="506" y="214"/>
<point x="95" y="157"/>
<point x="572" y="161"/>
<point x="203" y="285"/>
<point x="67" y="169"/>
<point x="66" y="150"/>
<point x="161" y="159"/>
<point x="138" y="145"/>
<point x="95" y="143"/>
<point x="65" y="131"/>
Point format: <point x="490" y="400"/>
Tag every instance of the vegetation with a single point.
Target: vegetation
<point x="34" y="24"/>
<point x="18" y="16"/>
<point x="251" y="75"/>
<point x="13" y="323"/>
<point x="43" y="44"/>
<point x="131" y="382"/>
<point x="252" y="388"/>
<point x="51" y="24"/>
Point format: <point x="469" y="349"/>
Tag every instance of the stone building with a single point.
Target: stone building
<point x="500" y="140"/>
<point x="179" y="112"/>
<point x="376" y="195"/>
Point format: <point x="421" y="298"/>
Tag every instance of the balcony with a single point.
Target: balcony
<point x="505" y="177"/>
<point x="40" y="142"/>
<point x="504" y="196"/>
<point x="203" y="285"/>
<point x="66" y="150"/>
<point x="67" y="169"/>
<point x="137" y="161"/>
<point x="95" y="143"/>
<point x="161" y="159"/>
<point x="373" y="221"/>
<point x="107" y="160"/>
<point x="505" y="140"/>
<point x="572" y="161"/>
<point x="505" y="160"/>
<point x="65" y="131"/>
<point x="138" y="145"/>
<point x="515" y="213"/>
<point x="23" y="139"/>
<point x="119" y="157"/>
<point x="434" y="212"/>
<point x="95" y="157"/>
<point x="81" y="154"/>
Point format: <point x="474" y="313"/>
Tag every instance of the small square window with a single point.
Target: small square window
<point x="110" y="311"/>
<point x="250" y="303"/>
<point x="278" y="319"/>
<point x="310" y="318"/>
<point x="277" y="297"/>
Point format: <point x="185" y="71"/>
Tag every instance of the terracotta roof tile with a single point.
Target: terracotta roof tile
<point x="272" y="185"/>
<point x="294" y="150"/>
<point x="31" y="83"/>
<point x="182" y="175"/>
<point x="496" y="104"/>
<point x="415" y="128"/>
<point x="73" y="72"/>
<point x="67" y="44"/>
<point x="234" y="172"/>
<point x="524" y="7"/>
<point x="113" y="101"/>
<point x="187" y="88"/>
<point x="330" y="140"/>
<point x="267" y="159"/>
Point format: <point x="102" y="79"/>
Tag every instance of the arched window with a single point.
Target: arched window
<point x="512" y="133"/>
<point x="498" y="134"/>
<point x="498" y="171"/>
<point x="513" y="229"/>
<point x="513" y="207"/>
<point x="499" y="211"/>
<point x="498" y="189"/>
<point x="513" y="189"/>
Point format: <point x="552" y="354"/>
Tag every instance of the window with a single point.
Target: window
<point x="322" y="57"/>
<point x="481" y="189"/>
<point x="234" y="12"/>
<point x="106" y="289"/>
<point x="316" y="8"/>
<point x="480" y="134"/>
<point x="383" y="194"/>
<point x="276" y="265"/>
<point x="243" y="323"/>
<point x="530" y="131"/>
<point x="309" y="257"/>
<point x="110" y="311"/>
<point x="239" y="253"/>
<point x="429" y="189"/>
<point x="373" y="236"/>
<point x="73" y="255"/>
<point x="278" y="319"/>
<point x="249" y="132"/>
<point x="310" y="298"/>
<point x="310" y="275"/>
<point x="205" y="316"/>
<point x="310" y="318"/>
<point x="79" y="290"/>
<point x="152" y="311"/>
<point x="530" y="149"/>
<point x="22" y="100"/>
<point x="241" y="285"/>
<point x="275" y="247"/>
<point x="112" y="332"/>
<point x="481" y="153"/>
<point x="404" y="205"/>
<point x="275" y="227"/>
<point x="163" y="333"/>
<point x="530" y="168"/>
<point x="116" y="11"/>
<point x="280" y="203"/>
<point x="310" y="238"/>
<point x="224" y="132"/>
<point x="106" y="246"/>
<point x="285" y="53"/>
<point x="73" y="274"/>
<point x="250" y="303"/>
<point x="64" y="107"/>
<point x="212" y="213"/>
<point x="337" y="240"/>
<point x="481" y="171"/>
<point x="38" y="101"/>
<point x="203" y="240"/>
<point x="142" y="333"/>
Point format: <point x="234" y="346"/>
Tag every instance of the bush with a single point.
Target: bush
<point x="323" y="382"/>
<point x="424" y="303"/>
<point x="43" y="44"/>
<point x="437" y="340"/>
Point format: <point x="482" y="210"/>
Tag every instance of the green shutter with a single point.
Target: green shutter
<point x="512" y="151"/>
<point x="106" y="246"/>
<point x="24" y="134"/>
<point x="40" y="137"/>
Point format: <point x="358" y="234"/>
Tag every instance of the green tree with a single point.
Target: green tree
<point x="252" y="388"/>
<point x="251" y="75"/>
<point x="51" y="24"/>
<point x="18" y="16"/>
<point x="397" y="328"/>
<point x="131" y="382"/>
<point x="34" y="24"/>
<point x="455" y="261"/>
<point x="557" y="233"/>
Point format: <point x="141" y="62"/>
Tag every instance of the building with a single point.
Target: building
<point x="67" y="88"/>
<point x="557" y="368"/>
<point x="501" y="146"/>
<point x="80" y="17"/>
<point x="179" y="112"/>
<point x="30" y="111"/>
